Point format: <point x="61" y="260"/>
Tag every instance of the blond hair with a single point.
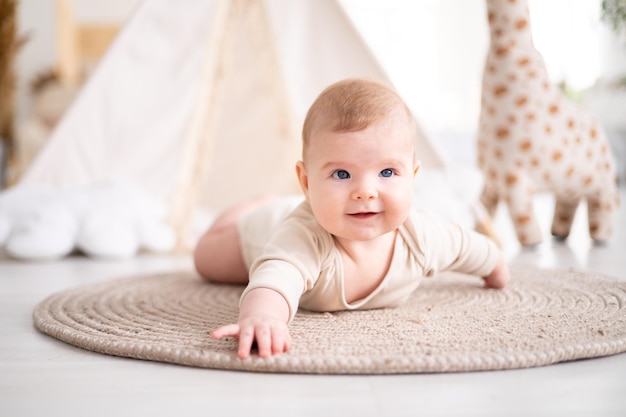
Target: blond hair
<point x="352" y="105"/>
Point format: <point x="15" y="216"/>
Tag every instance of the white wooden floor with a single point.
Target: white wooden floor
<point x="40" y="376"/>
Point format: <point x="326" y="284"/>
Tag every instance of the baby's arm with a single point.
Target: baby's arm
<point x="263" y="317"/>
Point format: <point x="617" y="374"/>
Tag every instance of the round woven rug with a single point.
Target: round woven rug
<point x="450" y="324"/>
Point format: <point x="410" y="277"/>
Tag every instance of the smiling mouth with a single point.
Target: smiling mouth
<point x="365" y="215"/>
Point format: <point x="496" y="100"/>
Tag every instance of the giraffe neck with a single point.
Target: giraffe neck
<point x="509" y="23"/>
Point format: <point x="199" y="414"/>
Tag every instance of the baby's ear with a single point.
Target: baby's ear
<point x="418" y="164"/>
<point x="303" y="178"/>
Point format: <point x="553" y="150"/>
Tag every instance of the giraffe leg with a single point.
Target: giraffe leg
<point x="564" y="211"/>
<point x="600" y="210"/>
<point x="489" y="199"/>
<point x="520" y="204"/>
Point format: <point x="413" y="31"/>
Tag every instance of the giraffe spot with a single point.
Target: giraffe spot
<point x="553" y="109"/>
<point x="511" y="179"/>
<point x="497" y="33"/>
<point x="521" y="101"/>
<point x="607" y="166"/>
<point x="593" y="228"/>
<point x="534" y="162"/>
<point x="547" y="177"/>
<point x="569" y="172"/>
<point x="603" y="149"/>
<point x="564" y="219"/>
<point x="491" y="68"/>
<point x="546" y="85"/>
<point x="594" y="205"/>
<point x="523" y="219"/>
<point x="493" y="174"/>
<point x="490" y="17"/>
<point x="570" y="123"/>
<point x="556" y="156"/>
<point x="491" y="110"/>
<point x="587" y="181"/>
<point x="522" y="62"/>
<point x="548" y="129"/>
<point x="498" y="154"/>
<point x="512" y="77"/>
<point x="530" y="117"/>
<point x="532" y="74"/>
<point x="521" y="24"/>
<point x="519" y="163"/>
<point x="502" y="51"/>
<point x="525" y="146"/>
<point x="500" y="90"/>
<point x="511" y="119"/>
<point x="589" y="154"/>
<point x="502" y="133"/>
<point x="578" y="140"/>
<point x="593" y="133"/>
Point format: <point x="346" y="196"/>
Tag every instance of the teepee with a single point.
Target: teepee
<point x="201" y="103"/>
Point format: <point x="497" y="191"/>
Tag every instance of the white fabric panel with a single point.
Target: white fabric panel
<point x="130" y="120"/>
<point x="130" y="117"/>
<point x="318" y="45"/>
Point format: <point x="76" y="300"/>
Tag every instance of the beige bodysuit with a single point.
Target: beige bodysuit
<point x="289" y="252"/>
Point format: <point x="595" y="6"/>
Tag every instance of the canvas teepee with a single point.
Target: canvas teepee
<point x="201" y="104"/>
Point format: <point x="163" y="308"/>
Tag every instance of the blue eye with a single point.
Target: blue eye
<point x="388" y="172"/>
<point x="341" y="174"/>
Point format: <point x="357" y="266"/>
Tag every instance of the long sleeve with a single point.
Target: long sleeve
<point x="292" y="259"/>
<point x="447" y="246"/>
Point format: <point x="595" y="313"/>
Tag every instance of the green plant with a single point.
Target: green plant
<point x="614" y="13"/>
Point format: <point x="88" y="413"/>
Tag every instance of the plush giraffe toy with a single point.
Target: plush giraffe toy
<point x="531" y="138"/>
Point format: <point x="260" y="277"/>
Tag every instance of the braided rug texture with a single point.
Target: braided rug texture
<point x="450" y="324"/>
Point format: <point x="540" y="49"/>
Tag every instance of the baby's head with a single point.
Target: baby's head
<point x="358" y="159"/>
<point x="354" y="104"/>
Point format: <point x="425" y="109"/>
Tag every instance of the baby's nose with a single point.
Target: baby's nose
<point x="364" y="191"/>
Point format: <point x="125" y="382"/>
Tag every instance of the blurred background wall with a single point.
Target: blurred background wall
<point x="433" y="50"/>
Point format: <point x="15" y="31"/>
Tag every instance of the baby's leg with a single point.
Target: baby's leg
<point x="217" y="256"/>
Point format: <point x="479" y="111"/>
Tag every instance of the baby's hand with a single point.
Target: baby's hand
<point x="500" y="276"/>
<point x="271" y="335"/>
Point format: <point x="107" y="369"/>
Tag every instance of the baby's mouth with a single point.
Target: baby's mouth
<point x="363" y="215"/>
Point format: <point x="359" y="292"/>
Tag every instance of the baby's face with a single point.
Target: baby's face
<point x="360" y="184"/>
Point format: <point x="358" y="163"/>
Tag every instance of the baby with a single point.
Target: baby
<point x="354" y="242"/>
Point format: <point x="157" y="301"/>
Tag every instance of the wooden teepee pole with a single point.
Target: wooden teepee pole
<point x="270" y="67"/>
<point x="197" y="144"/>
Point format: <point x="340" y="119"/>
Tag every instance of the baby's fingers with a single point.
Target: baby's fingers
<point x="246" y="338"/>
<point x="225" y="331"/>
<point x="280" y="341"/>
<point x="266" y="342"/>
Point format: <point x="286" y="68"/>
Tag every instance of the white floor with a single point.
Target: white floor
<point x="40" y="376"/>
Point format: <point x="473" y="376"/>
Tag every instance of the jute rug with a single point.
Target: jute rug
<point x="450" y="324"/>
